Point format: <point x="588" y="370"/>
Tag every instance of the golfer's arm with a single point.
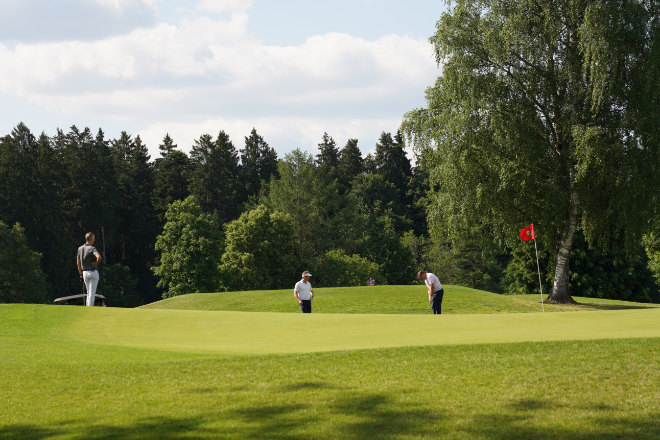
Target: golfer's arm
<point x="295" y="293"/>
<point x="78" y="264"/>
<point x="98" y="260"/>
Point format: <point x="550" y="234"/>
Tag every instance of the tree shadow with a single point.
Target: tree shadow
<point x="611" y="306"/>
<point x="375" y="418"/>
<point x="356" y="416"/>
<point x="165" y="428"/>
<point x="306" y="386"/>
<point x="520" y="426"/>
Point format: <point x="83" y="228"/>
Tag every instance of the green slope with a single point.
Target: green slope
<point x="380" y="299"/>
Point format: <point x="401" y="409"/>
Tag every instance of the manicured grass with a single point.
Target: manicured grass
<point x="381" y="299"/>
<point x="77" y="373"/>
<point x="261" y="333"/>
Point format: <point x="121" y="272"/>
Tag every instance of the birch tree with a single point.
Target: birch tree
<point x="545" y="112"/>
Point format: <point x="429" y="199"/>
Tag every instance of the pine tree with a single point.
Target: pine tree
<point x="350" y="163"/>
<point x="328" y="157"/>
<point x="215" y="175"/>
<point x="258" y="165"/>
<point x="172" y="177"/>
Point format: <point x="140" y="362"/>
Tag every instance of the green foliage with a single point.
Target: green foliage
<point x="33" y="176"/>
<point x="521" y="274"/>
<point x="610" y="274"/>
<point x="171" y="177"/>
<point x="258" y="164"/>
<point x="652" y="246"/>
<point x="382" y="245"/>
<point x="350" y="163"/>
<point x="190" y="249"/>
<point x="477" y="261"/>
<point x="119" y="286"/>
<point x="261" y="248"/>
<point x="337" y="268"/>
<point x="320" y="215"/>
<point x="328" y="157"/>
<point x="540" y="114"/>
<point x="21" y="277"/>
<point x="214" y="180"/>
<point x="134" y="214"/>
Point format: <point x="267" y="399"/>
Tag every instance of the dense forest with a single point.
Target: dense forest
<point x="238" y="217"/>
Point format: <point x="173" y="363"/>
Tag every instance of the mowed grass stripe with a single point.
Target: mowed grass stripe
<point x="271" y="333"/>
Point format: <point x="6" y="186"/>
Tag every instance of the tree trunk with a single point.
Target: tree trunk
<point x="559" y="293"/>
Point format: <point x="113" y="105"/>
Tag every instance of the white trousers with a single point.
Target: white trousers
<point x="91" y="279"/>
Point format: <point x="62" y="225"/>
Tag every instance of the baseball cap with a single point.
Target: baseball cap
<point x="306" y="274"/>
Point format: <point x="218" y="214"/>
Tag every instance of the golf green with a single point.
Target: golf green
<point x="262" y="333"/>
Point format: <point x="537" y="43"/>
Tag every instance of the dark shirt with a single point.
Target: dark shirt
<point x="87" y="256"/>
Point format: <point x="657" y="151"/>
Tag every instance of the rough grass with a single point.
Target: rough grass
<point x="382" y="299"/>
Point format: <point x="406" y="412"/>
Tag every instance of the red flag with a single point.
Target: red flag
<point x="528" y="233"/>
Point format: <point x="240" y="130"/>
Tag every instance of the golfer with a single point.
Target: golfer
<point x="304" y="293"/>
<point x="435" y="290"/>
<point x="87" y="261"/>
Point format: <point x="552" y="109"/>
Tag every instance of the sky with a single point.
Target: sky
<point x="291" y="69"/>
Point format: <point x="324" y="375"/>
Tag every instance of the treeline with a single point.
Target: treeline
<point x="225" y="217"/>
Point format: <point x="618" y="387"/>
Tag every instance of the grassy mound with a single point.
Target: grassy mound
<point x="380" y="299"/>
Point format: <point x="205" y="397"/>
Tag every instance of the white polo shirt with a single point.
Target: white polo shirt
<point x="432" y="279"/>
<point x="303" y="289"/>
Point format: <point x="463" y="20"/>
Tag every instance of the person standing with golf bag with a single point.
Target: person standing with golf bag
<point x="87" y="260"/>
<point x="304" y="293"/>
<point x="435" y="290"/>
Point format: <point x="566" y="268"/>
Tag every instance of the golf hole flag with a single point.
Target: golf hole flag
<point x="528" y="233"/>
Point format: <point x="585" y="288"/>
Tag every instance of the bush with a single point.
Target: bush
<point x="119" y="286"/>
<point x="21" y="277"/>
<point x="337" y="268"/>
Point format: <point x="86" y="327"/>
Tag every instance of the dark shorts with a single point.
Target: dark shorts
<point x="306" y="306"/>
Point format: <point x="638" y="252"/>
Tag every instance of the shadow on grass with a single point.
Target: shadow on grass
<point x="306" y="386"/>
<point x="356" y="416"/>
<point x="164" y="428"/>
<point x="518" y="426"/>
<point x="611" y="306"/>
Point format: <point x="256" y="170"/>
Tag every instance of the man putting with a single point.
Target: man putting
<point x="435" y="290"/>
<point x="304" y="293"/>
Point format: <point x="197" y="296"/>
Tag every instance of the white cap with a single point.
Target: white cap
<point x="306" y="274"/>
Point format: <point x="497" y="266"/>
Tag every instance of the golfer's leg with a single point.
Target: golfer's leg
<point x="437" y="302"/>
<point x="91" y="287"/>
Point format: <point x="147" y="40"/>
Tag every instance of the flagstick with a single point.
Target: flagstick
<point x="538" y="267"/>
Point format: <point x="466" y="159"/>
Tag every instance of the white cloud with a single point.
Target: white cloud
<point x="282" y="133"/>
<point x="202" y="75"/>
<point x="82" y="20"/>
<point x="223" y="5"/>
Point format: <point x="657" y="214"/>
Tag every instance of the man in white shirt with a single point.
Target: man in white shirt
<point x="435" y="290"/>
<point x="304" y="293"/>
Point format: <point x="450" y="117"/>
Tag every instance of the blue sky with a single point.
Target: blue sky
<point x="292" y="69"/>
